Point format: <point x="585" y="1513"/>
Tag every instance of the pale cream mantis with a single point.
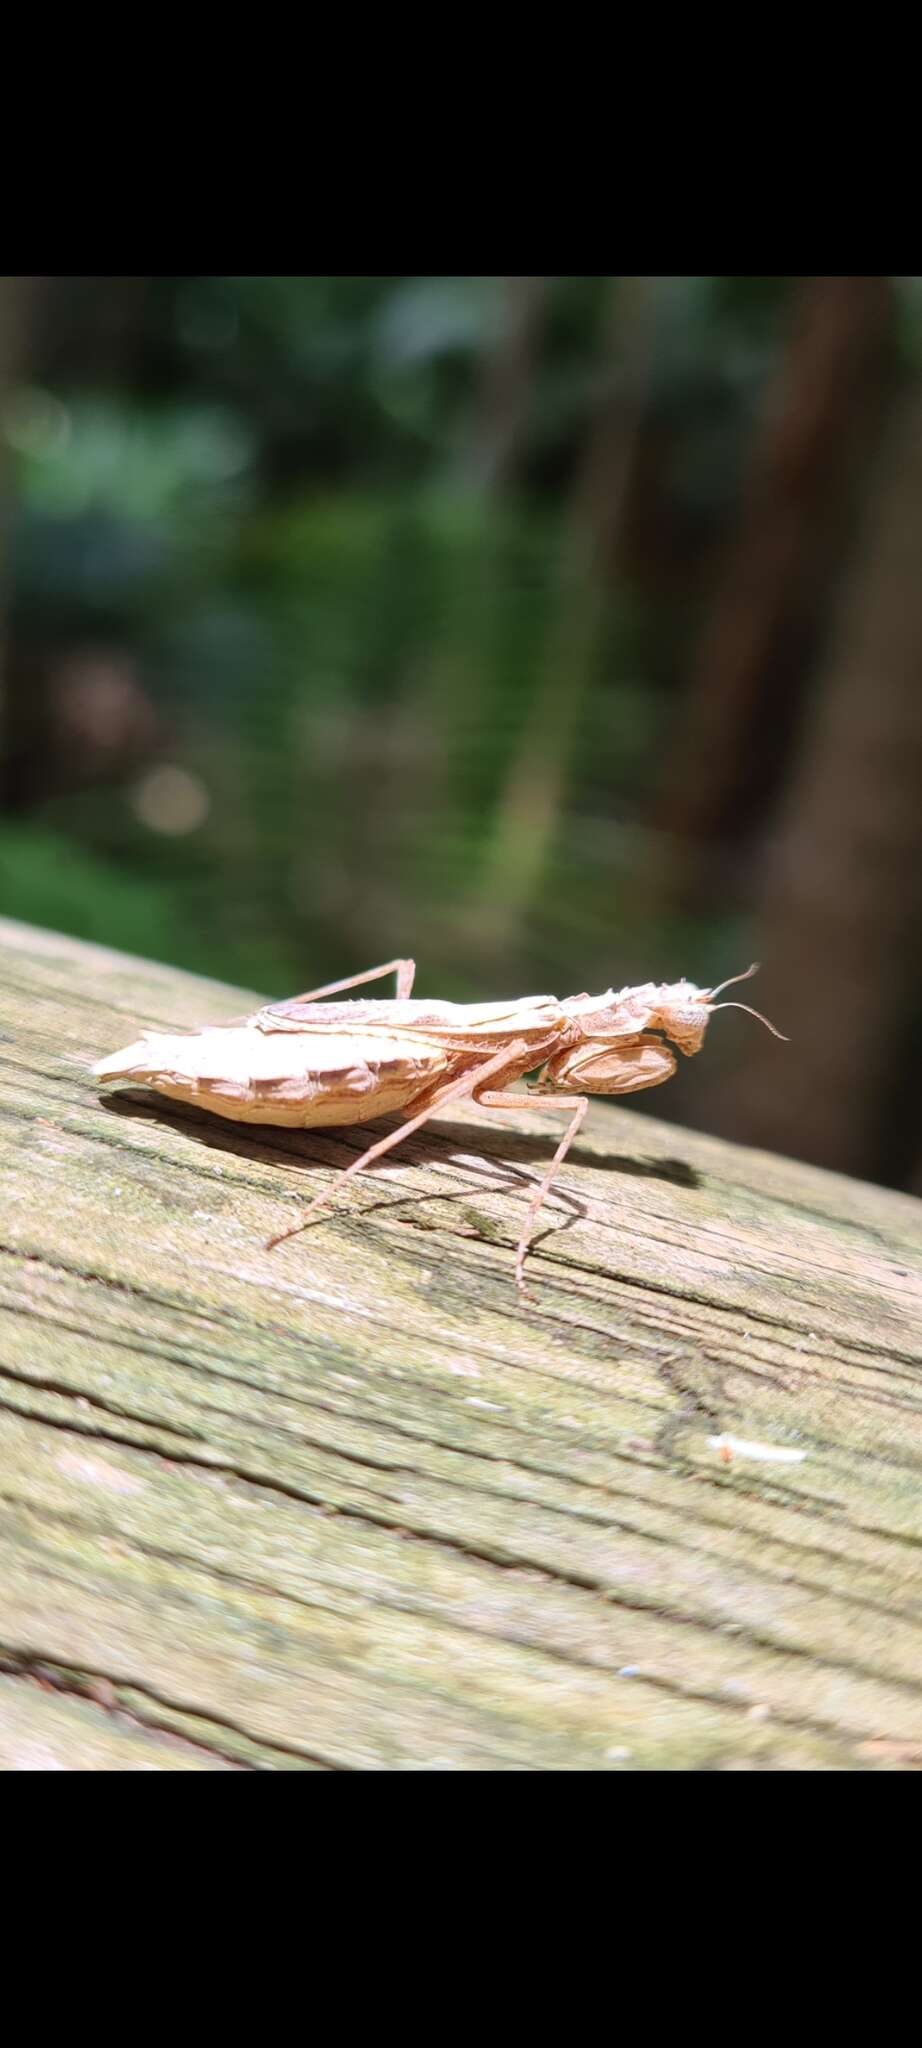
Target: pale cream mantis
<point x="307" y="1063"/>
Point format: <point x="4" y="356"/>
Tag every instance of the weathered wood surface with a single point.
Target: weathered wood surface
<point x="349" y="1504"/>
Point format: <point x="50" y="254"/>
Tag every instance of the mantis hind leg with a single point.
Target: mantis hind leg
<point x="405" y="971"/>
<point x="450" y="1091"/>
<point x="492" y="1098"/>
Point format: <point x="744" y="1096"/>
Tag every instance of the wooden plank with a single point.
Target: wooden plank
<point x="349" y="1504"/>
<point x="44" y="1727"/>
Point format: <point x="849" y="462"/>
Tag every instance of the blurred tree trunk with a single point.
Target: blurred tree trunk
<point x="16" y="298"/>
<point x="841" y="902"/>
<point x="821" y="416"/>
<point x="530" y="804"/>
<point x="506" y="386"/>
<point x="91" y="330"/>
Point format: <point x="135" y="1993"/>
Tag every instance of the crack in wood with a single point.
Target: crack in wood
<point x="90" y="1684"/>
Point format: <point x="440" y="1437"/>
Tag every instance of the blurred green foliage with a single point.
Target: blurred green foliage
<point x="250" y="506"/>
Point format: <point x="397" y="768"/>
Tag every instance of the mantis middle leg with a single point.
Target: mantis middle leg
<point x="492" y="1098"/>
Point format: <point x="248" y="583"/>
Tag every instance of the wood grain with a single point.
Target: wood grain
<point x="350" y="1505"/>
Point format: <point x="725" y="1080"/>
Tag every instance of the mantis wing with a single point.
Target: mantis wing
<point x="470" y="1025"/>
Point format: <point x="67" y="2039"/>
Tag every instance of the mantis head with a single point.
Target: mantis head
<point x="682" y="1011"/>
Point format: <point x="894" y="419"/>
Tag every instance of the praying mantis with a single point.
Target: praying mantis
<point x="307" y="1063"/>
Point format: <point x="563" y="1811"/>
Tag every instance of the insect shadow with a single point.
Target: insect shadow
<point x="527" y="1146"/>
<point x="511" y="1151"/>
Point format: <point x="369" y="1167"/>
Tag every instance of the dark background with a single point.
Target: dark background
<point x="559" y="631"/>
